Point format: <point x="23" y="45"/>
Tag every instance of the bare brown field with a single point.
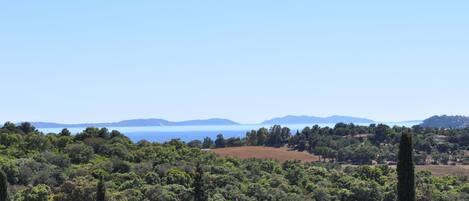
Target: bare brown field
<point x="279" y="154"/>
<point x="283" y="154"/>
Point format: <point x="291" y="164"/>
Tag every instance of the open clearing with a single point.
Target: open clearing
<point x="445" y="170"/>
<point x="283" y="154"/>
<point x="279" y="154"/>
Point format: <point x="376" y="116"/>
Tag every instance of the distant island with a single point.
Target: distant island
<point x="312" y="119"/>
<point x="139" y="123"/>
<point x="445" y="121"/>
<point x="290" y="119"/>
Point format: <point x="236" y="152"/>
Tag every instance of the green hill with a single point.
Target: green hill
<point x="445" y="121"/>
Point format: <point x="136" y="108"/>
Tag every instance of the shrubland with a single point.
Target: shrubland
<point x="65" y="167"/>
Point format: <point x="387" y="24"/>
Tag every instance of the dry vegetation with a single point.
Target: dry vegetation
<point x="279" y="154"/>
<point x="283" y="154"/>
<point x="445" y="170"/>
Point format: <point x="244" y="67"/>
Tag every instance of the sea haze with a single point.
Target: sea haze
<point x="199" y="132"/>
<point x="138" y="123"/>
<point x="290" y="119"/>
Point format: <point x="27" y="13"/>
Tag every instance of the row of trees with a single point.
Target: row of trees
<point x="356" y="144"/>
<point x="276" y="136"/>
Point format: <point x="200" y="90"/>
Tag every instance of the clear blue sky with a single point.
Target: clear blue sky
<point x="93" y="61"/>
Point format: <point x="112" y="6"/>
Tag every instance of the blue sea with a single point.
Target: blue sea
<point x="188" y="133"/>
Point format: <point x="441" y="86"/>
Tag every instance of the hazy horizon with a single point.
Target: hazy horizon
<point x="241" y="122"/>
<point x="248" y="61"/>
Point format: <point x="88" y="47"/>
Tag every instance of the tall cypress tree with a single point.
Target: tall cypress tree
<point x="199" y="190"/>
<point x="406" y="170"/>
<point x="3" y="187"/>
<point x="101" y="194"/>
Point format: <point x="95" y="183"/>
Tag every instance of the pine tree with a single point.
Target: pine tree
<point x="3" y="187"/>
<point x="101" y="194"/>
<point x="406" y="170"/>
<point x="199" y="191"/>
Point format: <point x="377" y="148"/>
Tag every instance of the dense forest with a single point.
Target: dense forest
<point x="98" y="162"/>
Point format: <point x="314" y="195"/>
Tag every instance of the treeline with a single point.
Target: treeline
<point x="357" y="144"/>
<point x="276" y="136"/>
<point x="97" y="163"/>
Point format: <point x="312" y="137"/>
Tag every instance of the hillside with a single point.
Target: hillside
<point x="445" y="121"/>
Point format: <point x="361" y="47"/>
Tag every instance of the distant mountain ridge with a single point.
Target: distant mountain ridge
<point x="139" y="123"/>
<point x="213" y="122"/>
<point x="291" y="119"/>
<point x="445" y="121"/>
